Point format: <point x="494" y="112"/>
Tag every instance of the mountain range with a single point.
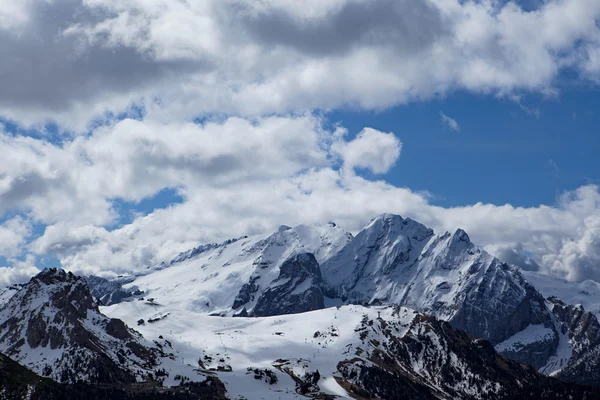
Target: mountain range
<point x="396" y="311"/>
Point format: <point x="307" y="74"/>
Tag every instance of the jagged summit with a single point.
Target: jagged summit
<point x="393" y="224"/>
<point x="53" y="326"/>
<point x="55" y="275"/>
<point x="460" y="237"/>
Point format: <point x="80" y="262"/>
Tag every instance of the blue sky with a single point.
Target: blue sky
<point x="502" y="153"/>
<point x="122" y="148"/>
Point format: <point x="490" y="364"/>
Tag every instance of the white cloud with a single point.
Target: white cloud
<point x="183" y="59"/>
<point x="19" y="271"/>
<point x="579" y="257"/>
<point x="514" y="254"/>
<point x="132" y="160"/>
<point x="371" y="149"/>
<point x="240" y="177"/>
<point x="248" y="174"/>
<point x="549" y="236"/>
<point x="449" y="122"/>
<point x="13" y="236"/>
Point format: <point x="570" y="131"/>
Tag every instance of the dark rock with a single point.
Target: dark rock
<point x="246" y="293"/>
<point x="297" y="289"/>
<point x="117" y="329"/>
<point x="583" y="330"/>
<point x="243" y="313"/>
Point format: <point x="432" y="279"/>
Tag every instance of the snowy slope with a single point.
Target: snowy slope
<point x="531" y="334"/>
<point x="209" y="281"/>
<point x="586" y="293"/>
<point x="346" y="345"/>
<point x="243" y="343"/>
<point x="7" y="292"/>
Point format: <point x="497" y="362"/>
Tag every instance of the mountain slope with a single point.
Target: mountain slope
<point x="583" y="330"/>
<point x="399" y="261"/>
<point x="347" y="351"/>
<point x="17" y="382"/>
<point x="223" y="279"/>
<point x="53" y="327"/>
<point x="586" y="293"/>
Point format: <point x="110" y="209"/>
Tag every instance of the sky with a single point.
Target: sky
<point x="132" y="130"/>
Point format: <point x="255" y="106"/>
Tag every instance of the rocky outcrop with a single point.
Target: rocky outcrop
<point x="246" y="293"/>
<point x="109" y="292"/>
<point x="582" y="326"/>
<point x="297" y="289"/>
<point x="432" y="360"/>
<point x="583" y="330"/>
<point x="53" y="326"/>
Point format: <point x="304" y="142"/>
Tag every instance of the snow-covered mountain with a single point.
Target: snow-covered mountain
<point x="53" y="326"/>
<point x="223" y="279"/>
<point x="339" y="352"/>
<point x="400" y="261"/>
<point x="393" y="260"/>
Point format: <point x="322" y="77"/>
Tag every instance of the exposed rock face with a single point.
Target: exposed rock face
<point x="53" y="326"/>
<point x="297" y="289"/>
<point x="583" y="330"/>
<point x="431" y="360"/>
<point x="109" y="292"/>
<point x="247" y="293"/>
<point x="583" y="327"/>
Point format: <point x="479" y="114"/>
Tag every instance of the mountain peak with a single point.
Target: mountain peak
<point x="460" y="236"/>
<point x="394" y="225"/>
<point x="50" y="276"/>
<point x="53" y="324"/>
<point x="386" y="218"/>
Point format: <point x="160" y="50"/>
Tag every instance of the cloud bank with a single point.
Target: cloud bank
<point x="77" y="61"/>
<point x="220" y="101"/>
<point x="240" y="177"/>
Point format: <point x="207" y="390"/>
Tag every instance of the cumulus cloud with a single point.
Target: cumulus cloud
<point x="241" y="177"/>
<point x="13" y="236"/>
<point x="514" y="254"/>
<point x="449" y="122"/>
<point x="371" y="149"/>
<point x="18" y="271"/>
<point x="90" y="59"/>
<point x="549" y="239"/>
<point x="579" y="257"/>
<point x="132" y="160"/>
<point x="232" y="62"/>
